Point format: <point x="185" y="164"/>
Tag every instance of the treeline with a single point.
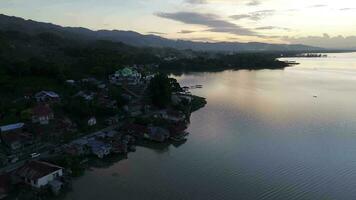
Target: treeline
<point x="226" y="62"/>
<point x="48" y="54"/>
<point x="47" y="59"/>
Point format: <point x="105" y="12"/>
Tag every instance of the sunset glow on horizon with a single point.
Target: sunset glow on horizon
<point x="323" y="23"/>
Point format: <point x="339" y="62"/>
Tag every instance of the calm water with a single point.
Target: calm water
<point x="263" y="135"/>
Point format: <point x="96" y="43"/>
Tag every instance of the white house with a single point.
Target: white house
<point x="39" y="174"/>
<point x="92" y="121"/>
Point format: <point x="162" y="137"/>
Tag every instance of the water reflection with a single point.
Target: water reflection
<point x="262" y="135"/>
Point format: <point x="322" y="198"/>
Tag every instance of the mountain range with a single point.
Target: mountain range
<point x="10" y="23"/>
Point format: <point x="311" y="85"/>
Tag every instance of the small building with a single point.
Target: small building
<point x="92" y="121"/>
<point x="70" y="82"/>
<point x="14" y="137"/>
<point x="86" y="96"/>
<point x="128" y="76"/>
<point x="42" y="114"/>
<point x="39" y="174"/>
<point x="112" y="121"/>
<point x="100" y="149"/>
<point x="177" y="98"/>
<point x="171" y="115"/>
<point x="11" y="127"/>
<point x="157" y="134"/>
<point x="47" y="96"/>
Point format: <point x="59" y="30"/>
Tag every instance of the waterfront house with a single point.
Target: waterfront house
<point x="38" y="174"/>
<point x="136" y="130"/>
<point x="99" y="149"/>
<point x="42" y="114"/>
<point x="177" y="98"/>
<point x="171" y="115"/>
<point x="157" y="134"/>
<point x="47" y="96"/>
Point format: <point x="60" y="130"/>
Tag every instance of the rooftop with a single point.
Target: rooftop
<point x="36" y="169"/>
<point x="49" y="93"/>
<point x="11" y="127"/>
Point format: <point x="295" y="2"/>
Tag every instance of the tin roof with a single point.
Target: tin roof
<point x="11" y="127"/>
<point x="34" y="170"/>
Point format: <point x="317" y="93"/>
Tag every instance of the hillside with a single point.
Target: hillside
<point x="8" y="23"/>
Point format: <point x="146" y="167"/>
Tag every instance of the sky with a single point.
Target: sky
<point x="324" y="23"/>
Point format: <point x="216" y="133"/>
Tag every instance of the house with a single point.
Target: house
<point x="14" y="137"/>
<point x="91" y="80"/>
<point x="16" y="140"/>
<point x="177" y="98"/>
<point x="11" y="127"/>
<point x="171" y="115"/>
<point x="47" y="96"/>
<point x="75" y="150"/>
<point x="128" y="76"/>
<point x="98" y="148"/>
<point x="112" y="121"/>
<point x="157" y="134"/>
<point x="92" y="121"/>
<point x="42" y="114"/>
<point x="39" y="174"/>
<point x="70" y="82"/>
<point x="101" y="86"/>
<point x="65" y="125"/>
<point x="136" y="130"/>
<point x="86" y="96"/>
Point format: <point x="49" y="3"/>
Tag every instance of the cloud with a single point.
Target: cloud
<point x="213" y="22"/>
<point x="196" y="1"/>
<point x="272" y="28"/>
<point x="246" y="2"/>
<point x="253" y="3"/>
<point x="325" y="41"/>
<point x="186" y="31"/>
<point x="318" y="6"/>
<point x="156" y="33"/>
<point x="347" y="9"/>
<point x="255" y="16"/>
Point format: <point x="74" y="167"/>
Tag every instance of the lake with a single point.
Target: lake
<point x="266" y="134"/>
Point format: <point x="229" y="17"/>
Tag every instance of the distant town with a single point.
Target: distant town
<point x="58" y="133"/>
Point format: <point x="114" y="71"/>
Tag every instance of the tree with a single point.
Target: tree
<point x="160" y="90"/>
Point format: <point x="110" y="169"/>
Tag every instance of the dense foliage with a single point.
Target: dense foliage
<point x="224" y="62"/>
<point x="160" y="90"/>
<point x="44" y="61"/>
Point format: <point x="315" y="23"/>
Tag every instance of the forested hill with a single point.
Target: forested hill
<point x="30" y="27"/>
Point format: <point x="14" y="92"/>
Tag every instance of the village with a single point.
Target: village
<point x="59" y="131"/>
